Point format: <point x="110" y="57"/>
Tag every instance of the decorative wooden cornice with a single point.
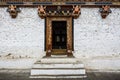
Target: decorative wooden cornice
<point x="44" y="11"/>
<point x="59" y="2"/>
<point x="59" y="7"/>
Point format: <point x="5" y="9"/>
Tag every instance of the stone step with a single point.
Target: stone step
<point x="62" y="76"/>
<point x="58" y="65"/>
<point x="57" y="72"/>
<point x="55" y="67"/>
<point x="61" y="56"/>
<point x="58" y="60"/>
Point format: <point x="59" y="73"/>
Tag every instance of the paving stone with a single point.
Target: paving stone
<point x="25" y="76"/>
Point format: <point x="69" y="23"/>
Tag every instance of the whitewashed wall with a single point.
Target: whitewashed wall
<point x="96" y="40"/>
<point x="23" y="36"/>
<point x="95" y="36"/>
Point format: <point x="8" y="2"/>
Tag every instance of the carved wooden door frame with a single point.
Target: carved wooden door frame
<point x="48" y="34"/>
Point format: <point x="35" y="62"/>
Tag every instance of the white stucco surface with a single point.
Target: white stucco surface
<point x="96" y="40"/>
<point x="95" y="36"/>
<point x="23" y="36"/>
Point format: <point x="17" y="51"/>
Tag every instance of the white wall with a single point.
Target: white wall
<point x="95" y="36"/>
<point x="96" y="40"/>
<point x="23" y="36"/>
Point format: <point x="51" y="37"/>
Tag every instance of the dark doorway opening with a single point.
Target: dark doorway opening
<point x="59" y="35"/>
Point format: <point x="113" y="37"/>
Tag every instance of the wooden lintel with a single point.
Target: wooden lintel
<point x="83" y="4"/>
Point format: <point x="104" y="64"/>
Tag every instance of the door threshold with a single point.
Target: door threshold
<point x="59" y="56"/>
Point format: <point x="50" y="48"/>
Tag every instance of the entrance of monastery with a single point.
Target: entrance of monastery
<point x="59" y="36"/>
<point x="59" y="28"/>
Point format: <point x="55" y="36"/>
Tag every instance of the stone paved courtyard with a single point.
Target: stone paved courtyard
<point x="24" y="75"/>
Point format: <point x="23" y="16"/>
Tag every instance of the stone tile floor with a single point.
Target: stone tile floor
<point x="24" y="75"/>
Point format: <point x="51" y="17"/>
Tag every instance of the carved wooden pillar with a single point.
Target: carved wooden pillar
<point x="69" y="37"/>
<point x="48" y="38"/>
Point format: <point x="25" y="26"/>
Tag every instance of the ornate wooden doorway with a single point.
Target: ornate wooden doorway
<point x="59" y="36"/>
<point x="59" y="27"/>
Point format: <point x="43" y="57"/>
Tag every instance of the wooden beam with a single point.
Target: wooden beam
<point x="83" y="4"/>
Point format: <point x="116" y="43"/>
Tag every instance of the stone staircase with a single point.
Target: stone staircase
<point x="58" y="67"/>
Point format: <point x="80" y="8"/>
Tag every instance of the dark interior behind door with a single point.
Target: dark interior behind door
<point x="59" y="35"/>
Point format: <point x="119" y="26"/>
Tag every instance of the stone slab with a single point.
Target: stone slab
<point x="80" y="76"/>
<point x="58" y="65"/>
<point x="58" y="60"/>
<point x="56" y="72"/>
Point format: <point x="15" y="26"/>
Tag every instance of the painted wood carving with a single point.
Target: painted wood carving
<point x="41" y="11"/>
<point x="13" y="10"/>
<point x="69" y="37"/>
<point x="76" y="9"/>
<point x="49" y="33"/>
<point x="59" y="10"/>
<point x="105" y="10"/>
